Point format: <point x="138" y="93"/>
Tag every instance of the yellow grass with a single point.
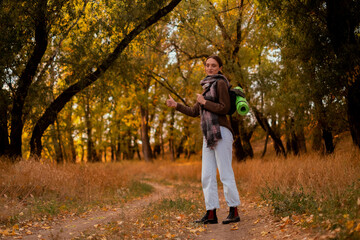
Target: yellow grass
<point x="312" y="172"/>
<point x="94" y="182"/>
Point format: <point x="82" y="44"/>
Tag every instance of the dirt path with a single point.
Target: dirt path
<point x="72" y="228"/>
<point x="256" y="222"/>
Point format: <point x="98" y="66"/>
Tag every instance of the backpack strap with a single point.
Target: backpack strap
<point x="238" y="92"/>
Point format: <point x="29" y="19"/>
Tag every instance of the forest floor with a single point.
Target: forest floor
<point x="157" y="216"/>
<point x="307" y="197"/>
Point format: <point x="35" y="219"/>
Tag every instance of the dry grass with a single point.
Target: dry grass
<point x="25" y="181"/>
<point x="312" y="172"/>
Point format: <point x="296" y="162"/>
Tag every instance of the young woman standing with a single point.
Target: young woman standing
<point x="212" y="106"/>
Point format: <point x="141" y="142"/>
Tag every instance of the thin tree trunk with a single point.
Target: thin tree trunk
<point x="294" y="139"/>
<point x="146" y="148"/>
<point x="265" y="145"/>
<point x="71" y="144"/>
<point x="171" y="137"/>
<point x="56" y="144"/>
<point x="91" y="152"/>
<point x="316" y="139"/>
<point x="239" y="150"/>
<point x="324" y="126"/>
<point x="246" y="135"/>
<point x="265" y="125"/>
<point x="328" y="139"/>
<point x="301" y="140"/>
<point x="61" y="145"/>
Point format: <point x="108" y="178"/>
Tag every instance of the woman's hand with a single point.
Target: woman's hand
<point x="171" y="102"/>
<point x="201" y="99"/>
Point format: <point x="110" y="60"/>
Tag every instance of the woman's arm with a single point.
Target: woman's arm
<point x="193" y="111"/>
<point x="222" y="107"/>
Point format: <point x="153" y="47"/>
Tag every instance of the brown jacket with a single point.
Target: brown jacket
<point x="221" y="108"/>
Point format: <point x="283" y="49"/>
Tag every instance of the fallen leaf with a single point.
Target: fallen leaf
<point x="357" y="228"/>
<point x="234" y="227"/>
<point x="349" y="224"/>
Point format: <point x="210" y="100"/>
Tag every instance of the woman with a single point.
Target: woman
<point x="212" y="106"/>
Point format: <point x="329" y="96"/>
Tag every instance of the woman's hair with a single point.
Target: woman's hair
<point x="217" y="59"/>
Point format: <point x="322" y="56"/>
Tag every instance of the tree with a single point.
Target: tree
<point x="56" y="106"/>
<point x="321" y="36"/>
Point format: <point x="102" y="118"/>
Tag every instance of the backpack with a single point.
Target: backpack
<point x="238" y="101"/>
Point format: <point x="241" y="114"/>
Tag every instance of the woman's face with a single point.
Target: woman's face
<point x="212" y="67"/>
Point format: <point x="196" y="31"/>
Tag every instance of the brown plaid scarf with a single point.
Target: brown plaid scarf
<point x="209" y="120"/>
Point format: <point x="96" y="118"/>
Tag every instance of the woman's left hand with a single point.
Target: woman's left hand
<point x="201" y="99"/>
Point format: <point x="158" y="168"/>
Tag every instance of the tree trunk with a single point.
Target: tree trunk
<point x="118" y="148"/>
<point x="4" y="135"/>
<point x="353" y="112"/>
<point x="246" y="135"/>
<point x="301" y="140"/>
<point x="91" y="152"/>
<point x="341" y="25"/>
<point x="57" y="105"/>
<point x="316" y="139"/>
<point x="265" y="145"/>
<point x="265" y="125"/>
<point x="113" y="152"/>
<point x="294" y="138"/>
<point x="239" y="150"/>
<point x="146" y="148"/>
<point x="324" y="126"/>
<point x="69" y="132"/>
<point x="59" y="158"/>
<point x="171" y="137"/>
<point x="328" y="139"/>
<point x="25" y="80"/>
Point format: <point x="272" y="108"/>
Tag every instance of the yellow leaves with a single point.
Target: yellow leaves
<point x="197" y="230"/>
<point x="10" y="232"/>
<point x="234" y="227"/>
<point x="169" y="235"/>
<point x="357" y="228"/>
<point x="7" y="232"/>
<point x="310" y="219"/>
<point x="286" y="220"/>
<point x="350" y="224"/>
<point x="257" y="221"/>
<point x="180" y="217"/>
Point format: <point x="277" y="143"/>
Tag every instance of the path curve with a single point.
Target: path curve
<point x="69" y="229"/>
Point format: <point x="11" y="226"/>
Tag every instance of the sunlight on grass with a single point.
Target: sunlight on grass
<point x="325" y="188"/>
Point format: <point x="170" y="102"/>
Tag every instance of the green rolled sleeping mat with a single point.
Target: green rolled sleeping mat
<point x="242" y="106"/>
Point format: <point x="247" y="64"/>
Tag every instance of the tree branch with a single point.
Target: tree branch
<point x="57" y="105"/>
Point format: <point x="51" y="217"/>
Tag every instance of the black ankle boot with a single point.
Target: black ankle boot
<point x="233" y="216"/>
<point x="208" y="218"/>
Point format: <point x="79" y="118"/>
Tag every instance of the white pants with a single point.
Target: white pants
<point x="220" y="157"/>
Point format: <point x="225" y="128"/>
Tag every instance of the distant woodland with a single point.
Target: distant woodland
<point x="87" y="80"/>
